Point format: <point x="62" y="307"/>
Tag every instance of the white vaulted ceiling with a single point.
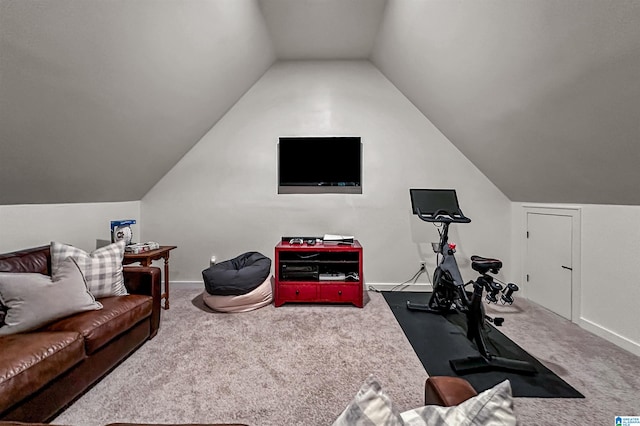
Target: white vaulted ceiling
<point x="98" y="100"/>
<point x="325" y="29"/>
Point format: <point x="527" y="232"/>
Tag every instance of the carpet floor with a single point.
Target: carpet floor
<point x="302" y="364"/>
<point x="293" y="365"/>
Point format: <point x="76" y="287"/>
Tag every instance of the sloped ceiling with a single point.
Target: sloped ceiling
<point x="543" y="96"/>
<point x="323" y="29"/>
<point x="98" y="100"/>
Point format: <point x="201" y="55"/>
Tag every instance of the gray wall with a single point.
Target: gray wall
<point x="81" y="224"/>
<point x="221" y="198"/>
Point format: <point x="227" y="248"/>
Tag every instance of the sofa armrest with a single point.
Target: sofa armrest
<point x="146" y="280"/>
<point x="447" y="391"/>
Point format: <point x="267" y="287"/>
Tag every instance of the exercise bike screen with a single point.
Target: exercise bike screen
<point x="430" y="201"/>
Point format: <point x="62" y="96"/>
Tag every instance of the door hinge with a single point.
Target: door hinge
<point x="527" y="277"/>
<point x="527" y="234"/>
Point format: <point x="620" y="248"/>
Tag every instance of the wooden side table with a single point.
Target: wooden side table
<point x="146" y="258"/>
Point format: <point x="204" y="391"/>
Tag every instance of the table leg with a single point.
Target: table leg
<point x="166" y="282"/>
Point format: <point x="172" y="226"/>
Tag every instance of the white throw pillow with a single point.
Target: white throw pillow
<point x="102" y="268"/>
<point x="493" y="407"/>
<point x="34" y="300"/>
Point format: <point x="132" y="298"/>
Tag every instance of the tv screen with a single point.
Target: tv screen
<point x="320" y="164"/>
<point x="431" y="200"/>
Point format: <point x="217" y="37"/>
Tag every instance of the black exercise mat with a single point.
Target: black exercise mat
<point x="436" y="339"/>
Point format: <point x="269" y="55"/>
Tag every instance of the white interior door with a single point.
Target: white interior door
<point x="549" y="262"/>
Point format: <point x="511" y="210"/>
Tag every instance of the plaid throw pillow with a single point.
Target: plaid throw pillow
<point x="371" y="407"/>
<point x="102" y="268"/>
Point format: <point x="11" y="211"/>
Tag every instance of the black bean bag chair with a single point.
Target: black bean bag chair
<point x="237" y="276"/>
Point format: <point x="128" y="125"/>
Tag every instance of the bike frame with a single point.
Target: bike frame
<point x="452" y="296"/>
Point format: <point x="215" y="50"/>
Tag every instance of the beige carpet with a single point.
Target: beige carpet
<point x="302" y="364"/>
<point x="293" y="365"/>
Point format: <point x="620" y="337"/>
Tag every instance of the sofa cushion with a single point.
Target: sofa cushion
<point x="102" y="268"/>
<point x="33" y="300"/>
<point x="28" y="361"/>
<point x="29" y="260"/>
<point x="119" y="314"/>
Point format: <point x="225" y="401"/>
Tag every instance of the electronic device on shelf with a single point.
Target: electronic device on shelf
<point x="338" y="239"/>
<point x="138" y="248"/>
<point x="301" y="240"/>
<point x="332" y="277"/>
<point x="294" y="272"/>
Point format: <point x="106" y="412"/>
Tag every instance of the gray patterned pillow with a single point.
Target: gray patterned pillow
<point x="371" y="407"/>
<point x="102" y="268"/>
<point x="493" y="407"/>
<point x="33" y="300"/>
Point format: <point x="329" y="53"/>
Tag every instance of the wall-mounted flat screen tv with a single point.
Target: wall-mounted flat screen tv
<point x="320" y="164"/>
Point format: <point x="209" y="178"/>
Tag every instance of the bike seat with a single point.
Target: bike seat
<point x="484" y="264"/>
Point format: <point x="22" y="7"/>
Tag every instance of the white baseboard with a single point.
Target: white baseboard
<point x="398" y="287"/>
<point x="616" y="339"/>
<point x="369" y="286"/>
<point x="187" y="284"/>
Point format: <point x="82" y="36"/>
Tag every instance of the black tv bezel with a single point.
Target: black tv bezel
<point x="318" y="188"/>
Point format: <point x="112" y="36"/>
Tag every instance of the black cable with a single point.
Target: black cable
<point x="414" y="278"/>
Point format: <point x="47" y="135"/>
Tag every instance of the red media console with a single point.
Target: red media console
<point x="318" y="273"/>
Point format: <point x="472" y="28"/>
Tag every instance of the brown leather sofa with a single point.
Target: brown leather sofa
<point x="447" y="391"/>
<point x="43" y="371"/>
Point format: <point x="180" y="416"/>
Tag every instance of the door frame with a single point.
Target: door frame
<point x="575" y="213"/>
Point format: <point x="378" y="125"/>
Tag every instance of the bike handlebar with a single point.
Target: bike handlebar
<point x="444" y="217"/>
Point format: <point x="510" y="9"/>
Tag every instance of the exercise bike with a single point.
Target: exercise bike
<point x="449" y="290"/>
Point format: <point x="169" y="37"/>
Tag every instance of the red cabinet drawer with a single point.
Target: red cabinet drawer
<point x="296" y="293"/>
<point x="339" y="292"/>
